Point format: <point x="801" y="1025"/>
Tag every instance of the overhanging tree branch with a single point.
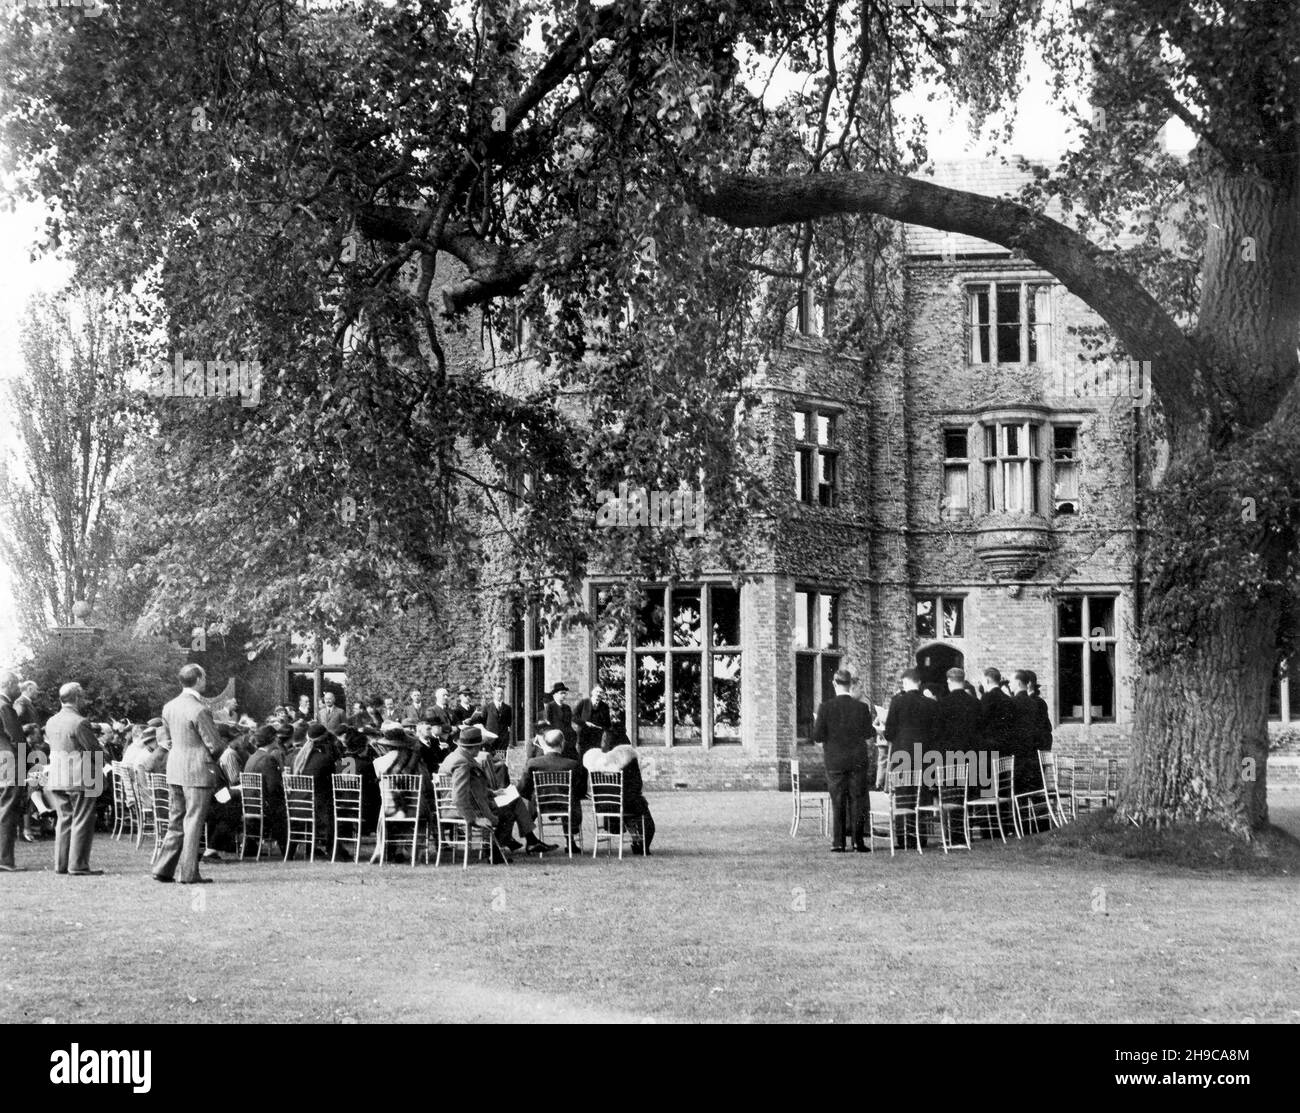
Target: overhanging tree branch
<point x="1145" y="329"/>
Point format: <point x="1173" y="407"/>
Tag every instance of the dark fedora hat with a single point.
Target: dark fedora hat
<point x="558" y="686"/>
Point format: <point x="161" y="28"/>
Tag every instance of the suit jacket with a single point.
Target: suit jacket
<point x="469" y="787"/>
<point x="1043" y="735"/>
<point x="441" y="719"/>
<point x="460" y="714"/>
<point x="843" y="727"/>
<point x="959" y="721"/>
<point x="268" y="763"/>
<point x="331" y="718"/>
<point x="913" y="719"/>
<point x="590" y="721"/>
<point x="195" y="742"/>
<point x="559" y="717"/>
<point x="997" y="722"/>
<point x="556" y="763"/>
<point x="499" y="720"/>
<point x="410" y="711"/>
<point x="69" y="735"/>
<point x="11" y="731"/>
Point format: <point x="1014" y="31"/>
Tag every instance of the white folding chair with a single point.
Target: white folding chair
<point x="608" y="805"/>
<point x="816" y="802"/>
<point x="553" y="796"/>
<point x="300" y="810"/>
<point x="347" y="813"/>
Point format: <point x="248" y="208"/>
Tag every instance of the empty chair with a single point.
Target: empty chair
<point x="1114" y="774"/>
<point x="611" y="818"/>
<point x="347" y="813"/>
<point x="450" y="828"/>
<point x="904" y="808"/>
<point x="300" y="808"/>
<point x="1047" y="765"/>
<point x="406" y="792"/>
<point x="553" y="797"/>
<point x="1091" y="788"/>
<point x="1064" y="776"/>
<point x="160" y="796"/>
<point x="879" y="823"/>
<point x="250" y="785"/>
<point x="1033" y="806"/>
<point x="951" y="804"/>
<point x="979" y="808"/>
<point x="138" y="784"/>
<point x="817" y="803"/>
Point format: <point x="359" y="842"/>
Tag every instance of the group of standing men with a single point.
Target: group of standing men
<point x="959" y="726"/>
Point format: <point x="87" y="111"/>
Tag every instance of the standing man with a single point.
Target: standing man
<point x="499" y="718"/>
<point x="591" y="720"/>
<point x="414" y="705"/>
<point x="464" y="708"/>
<point x="843" y="727"/>
<point x="557" y="715"/>
<point x="997" y="716"/>
<point x="959" y="720"/>
<point x="911" y="726"/>
<point x="12" y="779"/>
<point x="443" y="723"/>
<point x="192" y="775"/>
<point x="329" y="716"/>
<point x="73" y="746"/>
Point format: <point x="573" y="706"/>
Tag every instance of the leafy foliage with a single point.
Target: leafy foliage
<point x="125" y="677"/>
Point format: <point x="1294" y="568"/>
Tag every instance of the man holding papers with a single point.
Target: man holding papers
<point x="476" y="802"/>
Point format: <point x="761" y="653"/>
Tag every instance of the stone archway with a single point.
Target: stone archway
<point x="935" y="660"/>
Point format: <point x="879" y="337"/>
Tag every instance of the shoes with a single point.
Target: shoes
<point x="85" y="873"/>
<point x="164" y="880"/>
<point x="27" y="836"/>
<point x="574" y="848"/>
<point x="837" y="850"/>
<point x="212" y="856"/>
<point x="512" y="845"/>
<point x="198" y="881"/>
<point x="539" y="847"/>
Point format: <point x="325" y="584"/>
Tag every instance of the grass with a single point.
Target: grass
<point x="731" y="919"/>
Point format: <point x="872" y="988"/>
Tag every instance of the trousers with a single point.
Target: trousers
<point x="75" y="831"/>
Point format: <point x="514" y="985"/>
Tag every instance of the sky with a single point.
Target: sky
<point x="1042" y="133"/>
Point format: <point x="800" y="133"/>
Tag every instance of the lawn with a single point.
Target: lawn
<point x="731" y="919"/>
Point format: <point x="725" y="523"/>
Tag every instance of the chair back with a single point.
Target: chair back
<point x="406" y="791"/>
<point x="1114" y="772"/>
<point x="607" y="794"/>
<point x="299" y="797"/>
<point x="143" y="792"/>
<point x="444" y="802"/>
<point x="794" y="776"/>
<point x="1006" y="777"/>
<point x="1064" y="772"/>
<point x="250" y="792"/>
<point x="906" y="790"/>
<point x="347" y="797"/>
<point x="1047" y="765"/>
<point x="160" y="795"/>
<point x="552" y="792"/>
<point x="952" y="786"/>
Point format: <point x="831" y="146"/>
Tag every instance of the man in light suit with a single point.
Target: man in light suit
<point x="329" y="716"/>
<point x="12" y="778"/>
<point x="74" y="783"/>
<point x="192" y="776"/>
<point x="499" y="718"/>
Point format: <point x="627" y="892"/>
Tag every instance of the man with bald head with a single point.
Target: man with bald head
<point x="74" y="752"/>
<point x="552" y="760"/>
<point x="11" y="776"/>
<point x="192" y="776"/>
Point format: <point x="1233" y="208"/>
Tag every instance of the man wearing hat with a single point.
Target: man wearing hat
<point x="473" y="795"/>
<point x="558" y="715"/>
<point x="318" y="759"/>
<point x="142" y="745"/>
<point x="464" y="708"/>
<point x="267" y="762"/>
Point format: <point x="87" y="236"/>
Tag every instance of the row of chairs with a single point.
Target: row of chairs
<point x="141" y="805"/>
<point x="1067" y="787"/>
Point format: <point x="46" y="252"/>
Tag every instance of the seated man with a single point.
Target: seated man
<point x="225" y="817"/>
<point x="268" y="763"/>
<point x="552" y="760"/>
<point x="319" y="759"/>
<point x="617" y="753"/>
<point x="474" y="800"/>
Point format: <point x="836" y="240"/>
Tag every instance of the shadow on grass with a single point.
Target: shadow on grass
<point x="1274" y="851"/>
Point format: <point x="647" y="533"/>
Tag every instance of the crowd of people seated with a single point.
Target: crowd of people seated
<point x="467" y="741"/>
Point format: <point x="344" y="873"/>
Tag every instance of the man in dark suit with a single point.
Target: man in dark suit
<point x="499" y="718"/>
<point x="911" y="726"/>
<point x="843" y="727"/>
<point x="474" y="797"/>
<point x="192" y="776"/>
<point x="12" y="775"/>
<point x="1027" y="734"/>
<point x="591" y="720"/>
<point x="553" y="760"/>
<point x="319" y="759"/>
<point x="74" y="782"/>
<point x="959" y="719"/>
<point x="997" y="716"/>
<point x="328" y="715"/>
<point x="464" y="709"/>
<point x="267" y="762"/>
<point x="557" y="715"/>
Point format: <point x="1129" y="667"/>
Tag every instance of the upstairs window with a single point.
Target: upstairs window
<point x="956" y="472"/>
<point x="1011" y="467"/>
<point x="1008" y="322"/>
<point x="816" y="457"/>
<point x="811" y="313"/>
<point x="1065" y="469"/>
<point x="939" y="616"/>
